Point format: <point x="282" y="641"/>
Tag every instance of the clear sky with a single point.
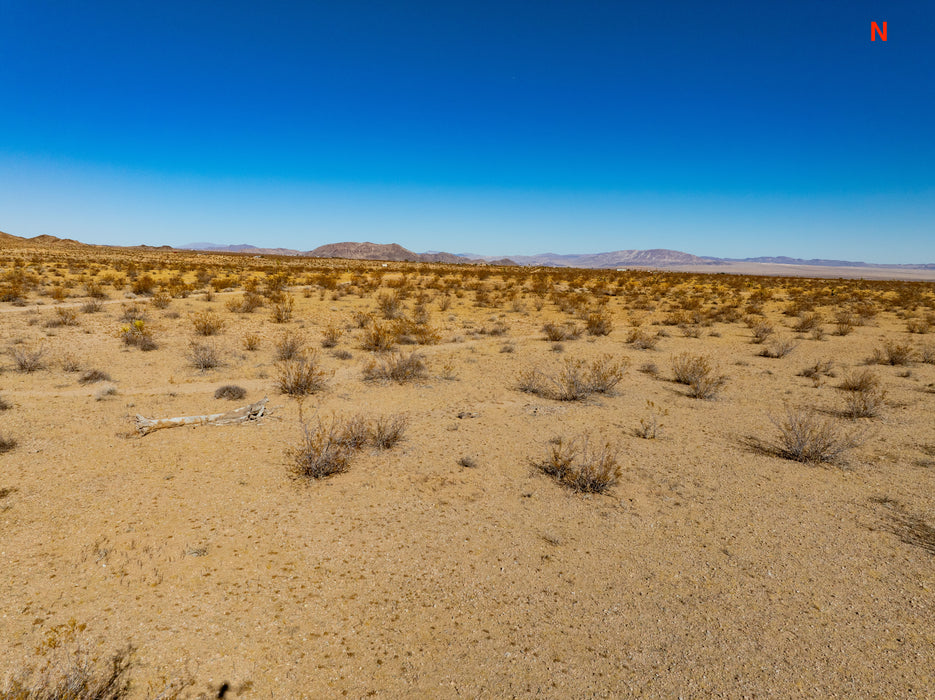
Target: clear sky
<point x="772" y="127"/>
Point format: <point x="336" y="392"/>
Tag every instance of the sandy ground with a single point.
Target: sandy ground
<point x="711" y="569"/>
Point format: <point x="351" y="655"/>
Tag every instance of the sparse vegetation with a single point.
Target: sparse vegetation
<point x="699" y="374"/>
<point x="28" y="358"/>
<point x="806" y="437"/>
<point x="231" y="392"/>
<point x="203" y="356"/>
<point x="301" y="375"/>
<point x="398" y="367"/>
<point x="581" y="466"/>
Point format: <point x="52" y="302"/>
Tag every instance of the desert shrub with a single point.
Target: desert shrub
<point x="321" y="452"/>
<point x="355" y="432"/>
<point x="92" y="306"/>
<point x="698" y="373"/>
<point x="203" y="356"/>
<point x="557" y="332"/>
<point x="918" y="325"/>
<point x="290" y="346"/>
<point x="6" y="443"/>
<point x="808" y="321"/>
<point x="864" y="404"/>
<point x="819" y="369"/>
<point x="927" y="354"/>
<point x="599" y="323"/>
<point x="860" y="380"/>
<point x="761" y="329"/>
<point x="780" y="347"/>
<point x="649" y="368"/>
<point x="379" y="336"/>
<point x="386" y="431"/>
<point x="301" y="375"/>
<point x="28" y="359"/>
<point x="248" y="303"/>
<point x="138" y="334"/>
<point x="390" y="305"/>
<point x="92" y="376"/>
<point x="844" y="322"/>
<point x="207" y="323"/>
<point x="143" y="285"/>
<point x="4" y="404"/>
<point x="231" y="392"/>
<point x="575" y="380"/>
<point x="76" y="678"/>
<point x="251" y="342"/>
<point x="342" y="354"/>
<point x="105" y="391"/>
<point x="397" y="367"/>
<point x="70" y="362"/>
<point x="63" y="317"/>
<point x="650" y="427"/>
<point x="578" y="465"/>
<point x="281" y="311"/>
<point x="132" y="312"/>
<point x="805" y="437"/>
<point x="468" y="462"/>
<point x="892" y="353"/>
<point x="507" y="347"/>
<point x="642" y="339"/>
<point x="331" y="335"/>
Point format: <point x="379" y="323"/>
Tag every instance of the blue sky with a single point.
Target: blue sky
<point x="731" y="129"/>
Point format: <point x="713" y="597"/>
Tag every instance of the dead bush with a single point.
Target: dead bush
<point x="578" y="465"/>
<point x="251" y="342"/>
<point x="386" y="431"/>
<point x="379" y="336"/>
<point x="28" y="359"/>
<point x="860" y="380"/>
<point x="761" y="328"/>
<point x="808" y="321"/>
<point x="806" y="437"/>
<point x="331" y="335"/>
<point x="203" y="356"/>
<point x="282" y="309"/>
<point x="864" y="404"/>
<point x="397" y="367"/>
<point x="301" y="375"/>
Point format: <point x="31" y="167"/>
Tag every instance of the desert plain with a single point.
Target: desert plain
<point x="601" y="483"/>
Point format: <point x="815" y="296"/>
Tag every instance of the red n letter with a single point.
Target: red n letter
<point x="875" y="29"/>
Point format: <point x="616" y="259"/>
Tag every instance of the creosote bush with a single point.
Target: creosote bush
<point x="892" y="353"/>
<point x="207" y="323"/>
<point x="579" y="465"/>
<point x="203" y="356"/>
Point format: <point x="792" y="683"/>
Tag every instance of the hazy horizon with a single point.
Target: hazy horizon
<point x="497" y="129"/>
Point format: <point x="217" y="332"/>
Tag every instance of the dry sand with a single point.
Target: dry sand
<point x="711" y="569"/>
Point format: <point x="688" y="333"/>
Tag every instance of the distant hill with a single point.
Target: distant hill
<point x="657" y="257"/>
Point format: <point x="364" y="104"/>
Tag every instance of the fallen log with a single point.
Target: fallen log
<point x="254" y="411"/>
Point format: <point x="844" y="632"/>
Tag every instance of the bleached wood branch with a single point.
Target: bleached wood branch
<point x="254" y="411"/>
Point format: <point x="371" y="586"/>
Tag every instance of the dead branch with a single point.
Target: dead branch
<point x="253" y="412"/>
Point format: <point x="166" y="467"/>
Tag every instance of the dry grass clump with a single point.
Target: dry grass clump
<point x="860" y="380"/>
<point x="203" y="356"/>
<point x="865" y="397"/>
<point x="28" y="359"/>
<point x="578" y="465"/>
<point x="231" y="392"/>
<point x="778" y="348"/>
<point x="64" y="316"/>
<point x="92" y="376"/>
<point x="327" y="448"/>
<point x="892" y="353"/>
<point x="808" y="321"/>
<point x="251" y="342"/>
<point x="248" y="303"/>
<point x="282" y="309"/>
<point x="397" y="367"/>
<point x="5" y="405"/>
<point x="207" y="323"/>
<point x="576" y="380"/>
<point x="76" y="678"/>
<point x="818" y="370"/>
<point x="650" y="427"/>
<point x="161" y="300"/>
<point x="642" y="339"/>
<point x="92" y="306"/>
<point x="908" y="527"/>
<point x="699" y="374"/>
<point x="805" y="437"/>
<point x="844" y="322"/>
<point x="927" y="354"/>
<point x="301" y="375"/>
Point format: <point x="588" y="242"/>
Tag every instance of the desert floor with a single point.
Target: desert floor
<point x="714" y="567"/>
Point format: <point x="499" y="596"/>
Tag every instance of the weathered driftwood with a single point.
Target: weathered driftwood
<point x="241" y="415"/>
